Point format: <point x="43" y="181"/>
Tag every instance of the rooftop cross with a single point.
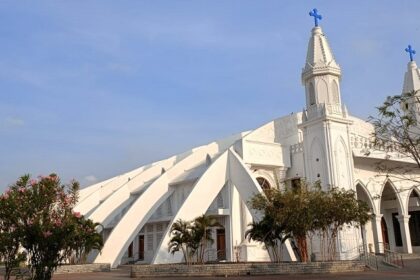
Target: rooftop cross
<point x="314" y="13"/>
<point x="410" y="51"/>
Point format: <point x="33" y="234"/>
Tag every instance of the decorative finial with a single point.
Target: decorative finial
<point x="314" y="13"/>
<point x="410" y="51"/>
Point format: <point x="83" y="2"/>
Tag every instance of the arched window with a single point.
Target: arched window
<point x="311" y="94"/>
<point x="335" y="94"/>
<point x="265" y="185"/>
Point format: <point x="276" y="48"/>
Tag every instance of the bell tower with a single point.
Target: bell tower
<point x="411" y="86"/>
<point x="325" y="123"/>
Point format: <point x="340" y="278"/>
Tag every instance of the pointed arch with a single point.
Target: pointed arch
<point x="322" y="91"/>
<point x="362" y="188"/>
<point x="317" y="161"/>
<point x="410" y="192"/>
<point x="341" y="163"/>
<point x="389" y="184"/>
<point x="335" y="92"/>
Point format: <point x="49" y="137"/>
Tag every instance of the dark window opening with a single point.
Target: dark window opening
<point x="414" y="225"/>
<point x="397" y="230"/>
<point x="130" y="250"/>
<point x="296" y="184"/>
<point x="265" y="185"/>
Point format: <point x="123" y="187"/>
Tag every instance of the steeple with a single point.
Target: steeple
<point x="412" y="76"/>
<point x="319" y="58"/>
<point x="321" y="74"/>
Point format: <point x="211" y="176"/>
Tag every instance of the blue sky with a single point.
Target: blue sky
<point x="91" y="89"/>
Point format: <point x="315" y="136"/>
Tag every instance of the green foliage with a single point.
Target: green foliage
<point x="397" y="127"/>
<point x="192" y="237"/>
<point x="45" y="225"/>
<point x="269" y="232"/>
<point x="308" y="209"/>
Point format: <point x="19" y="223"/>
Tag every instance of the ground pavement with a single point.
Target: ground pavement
<point x="410" y="272"/>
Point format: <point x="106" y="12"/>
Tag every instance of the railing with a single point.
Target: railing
<point x="370" y="259"/>
<point x="213" y="255"/>
<point x="393" y="258"/>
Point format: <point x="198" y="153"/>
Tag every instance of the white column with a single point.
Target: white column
<point x="405" y="233"/>
<point x="377" y="233"/>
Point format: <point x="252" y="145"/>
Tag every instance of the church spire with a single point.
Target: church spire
<point x="412" y="76"/>
<point x="319" y="58"/>
<point x="321" y="73"/>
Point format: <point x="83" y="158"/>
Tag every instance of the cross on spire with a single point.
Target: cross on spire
<point x="314" y="13"/>
<point x="411" y="51"/>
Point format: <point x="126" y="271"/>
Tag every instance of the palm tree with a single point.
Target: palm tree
<point x="202" y="229"/>
<point x="270" y="233"/>
<point x="181" y="239"/>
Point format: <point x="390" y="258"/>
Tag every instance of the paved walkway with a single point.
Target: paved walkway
<point x="410" y="272"/>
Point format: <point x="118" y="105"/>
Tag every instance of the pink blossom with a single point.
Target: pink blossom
<point x="5" y="196"/>
<point x="77" y="214"/>
<point x="32" y="182"/>
<point x="47" y="233"/>
<point x="30" y="222"/>
<point x="22" y="190"/>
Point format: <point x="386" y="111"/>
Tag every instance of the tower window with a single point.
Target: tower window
<point x="311" y="94"/>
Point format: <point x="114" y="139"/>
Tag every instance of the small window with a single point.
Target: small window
<point x="296" y="183"/>
<point x="265" y="185"/>
<point x="311" y="94"/>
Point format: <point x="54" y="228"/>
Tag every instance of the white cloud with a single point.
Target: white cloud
<point x="91" y="178"/>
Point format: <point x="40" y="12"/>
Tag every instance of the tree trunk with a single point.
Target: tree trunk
<point x="303" y="248"/>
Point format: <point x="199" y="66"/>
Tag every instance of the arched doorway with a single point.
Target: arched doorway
<point x="413" y="207"/>
<point x="390" y="206"/>
<point x="366" y="231"/>
<point x="384" y="230"/>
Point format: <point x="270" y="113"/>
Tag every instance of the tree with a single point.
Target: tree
<point x="48" y="229"/>
<point x="10" y="235"/>
<point x="397" y="129"/>
<point x="307" y="210"/>
<point x="181" y="239"/>
<point x="270" y="233"/>
<point x="192" y="237"/>
<point x="201" y="229"/>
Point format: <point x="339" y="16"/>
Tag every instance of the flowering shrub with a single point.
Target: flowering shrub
<point x="40" y="215"/>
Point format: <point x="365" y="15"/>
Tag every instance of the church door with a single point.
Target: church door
<point x="384" y="233"/>
<point x="141" y="247"/>
<point x="221" y="244"/>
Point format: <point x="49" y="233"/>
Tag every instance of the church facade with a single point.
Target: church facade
<point x="323" y="142"/>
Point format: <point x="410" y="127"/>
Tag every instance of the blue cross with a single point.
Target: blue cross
<point x="410" y="51"/>
<point x="314" y="13"/>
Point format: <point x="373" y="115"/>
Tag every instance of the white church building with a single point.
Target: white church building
<point x="323" y="142"/>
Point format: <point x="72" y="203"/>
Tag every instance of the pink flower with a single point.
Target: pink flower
<point x="77" y="214"/>
<point x="5" y="196"/>
<point x="30" y="222"/>
<point x="32" y="182"/>
<point x="47" y="233"/>
<point x="22" y="190"/>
